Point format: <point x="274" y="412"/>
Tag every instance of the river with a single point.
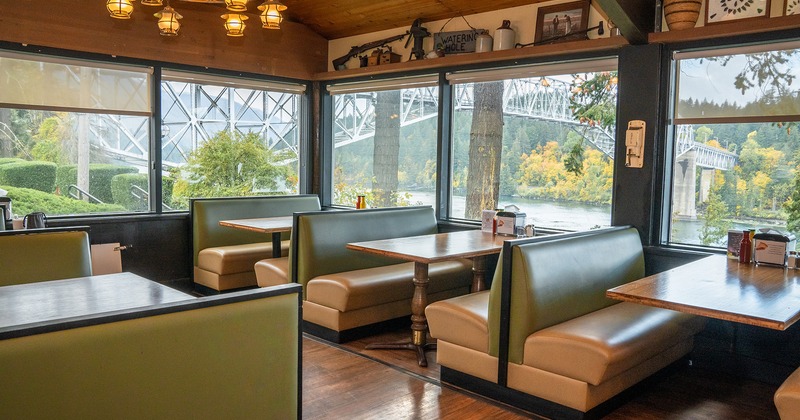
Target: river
<point x="580" y="216"/>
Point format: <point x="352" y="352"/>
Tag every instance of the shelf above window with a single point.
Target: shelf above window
<point x="455" y="60"/>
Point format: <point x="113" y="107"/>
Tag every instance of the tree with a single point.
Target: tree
<point x="230" y="165"/>
<point x="485" y="149"/>
<point x="386" y="151"/>
<point x="593" y="102"/>
<point x="715" y="223"/>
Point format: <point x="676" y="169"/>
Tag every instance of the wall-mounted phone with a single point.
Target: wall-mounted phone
<point x="634" y="144"/>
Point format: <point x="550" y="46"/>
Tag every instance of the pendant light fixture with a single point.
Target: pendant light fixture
<point x="168" y="25"/>
<point x="271" y="16"/>
<point x="119" y="9"/>
<point x="234" y="23"/>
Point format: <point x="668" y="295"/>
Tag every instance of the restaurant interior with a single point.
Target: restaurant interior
<point x="399" y="209"/>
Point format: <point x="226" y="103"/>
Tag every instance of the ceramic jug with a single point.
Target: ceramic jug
<point x="504" y="37"/>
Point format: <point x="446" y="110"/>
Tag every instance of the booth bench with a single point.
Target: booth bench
<point x="36" y="255"/>
<point x="546" y="338"/>
<point x="235" y="355"/>
<point x="348" y="292"/>
<point x="224" y="257"/>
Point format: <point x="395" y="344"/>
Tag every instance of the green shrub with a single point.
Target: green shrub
<point x="100" y="176"/>
<point x="121" y="191"/>
<point x="26" y="200"/>
<point x="36" y="175"/>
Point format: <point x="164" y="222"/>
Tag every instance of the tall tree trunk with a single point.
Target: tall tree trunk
<point x="386" y="152"/>
<point x="485" y="147"/>
<point x="6" y="142"/>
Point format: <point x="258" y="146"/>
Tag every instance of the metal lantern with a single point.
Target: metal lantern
<point x="271" y="17"/>
<point x="120" y="9"/>
<point x="236" y="5"/>
<point x="168" y="23"/>
<point x="234" y="23"/>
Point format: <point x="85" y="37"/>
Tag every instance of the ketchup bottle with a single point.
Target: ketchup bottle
<point x="745" y="248"/>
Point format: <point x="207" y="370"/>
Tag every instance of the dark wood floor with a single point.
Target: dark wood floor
<point x="347" y="382"/>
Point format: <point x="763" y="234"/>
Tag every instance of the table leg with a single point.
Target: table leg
<point x="419" y="323"/>
<point x="276" y="244"/>
<point x="478" y="274"/>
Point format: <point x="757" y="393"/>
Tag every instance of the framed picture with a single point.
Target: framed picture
<point x="792" y="7"/>
<point x="718" y="11"/>
<point x="562" y="22"/>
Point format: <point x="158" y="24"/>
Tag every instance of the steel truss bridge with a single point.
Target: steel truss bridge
<point x="543" y="99"/>
<point x="193" y="113"/>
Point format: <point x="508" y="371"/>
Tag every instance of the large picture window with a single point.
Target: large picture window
<point x="385" y="140"/>
<point x="74" y="135"/>
<point x="541" y="138"/>
<point x="225" y="137"/>
<point x="735" y="143"/>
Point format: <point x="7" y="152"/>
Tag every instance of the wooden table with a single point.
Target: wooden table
<point x="273" y="225"/>
<point x="423" y="251"/>
<point x="34" y="304"/>
<point x="718" y="287"/>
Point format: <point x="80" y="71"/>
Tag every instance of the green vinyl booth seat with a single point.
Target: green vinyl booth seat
<point x="224" y="257"/>
<point x="42" y="255"/>
<point x="229" y="356"/>
<point x="349" y="294"/>
<point x="566" y="348"/>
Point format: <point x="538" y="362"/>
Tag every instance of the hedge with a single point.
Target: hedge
<point x="100" y="176"/>
<point x="121" y="190"/>
<point x="36" y="175"/>
<point x="28" y="201"/>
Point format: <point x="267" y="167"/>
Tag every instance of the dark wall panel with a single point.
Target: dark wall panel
<point x="158" y="248"/>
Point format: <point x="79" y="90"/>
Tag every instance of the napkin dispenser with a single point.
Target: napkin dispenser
<point x="772" y="247"/>
<point x="509" y="221"/>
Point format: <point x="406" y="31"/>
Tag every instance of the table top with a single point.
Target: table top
<point x="262" y="225"/>
<point x="722" y="288"/>
<point x="34" y="303"/>
<point x="435" y="247"/>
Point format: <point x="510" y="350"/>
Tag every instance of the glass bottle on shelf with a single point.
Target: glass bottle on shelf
<point x="361" y="203"/>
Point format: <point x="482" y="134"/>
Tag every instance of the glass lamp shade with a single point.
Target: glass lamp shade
<point x="271" y="17"/>
<point x="120" y="9"/>
<point x="168" y="23"/>
<point x="234" y="23"/>
<point x="236" y="5"/>
<point x="152" y="3"/>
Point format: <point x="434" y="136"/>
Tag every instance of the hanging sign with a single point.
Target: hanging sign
<point x="456" y="42"/>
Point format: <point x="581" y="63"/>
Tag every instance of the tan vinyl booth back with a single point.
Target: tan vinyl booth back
<point x="233" y="356"/>
<point x="207" y="213"/>
<point x="330" y="231"/>
<point x="543" y="299"/>
<point x="28" y="257"/>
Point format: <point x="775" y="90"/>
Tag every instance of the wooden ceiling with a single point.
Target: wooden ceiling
<point x="342" y="18"/>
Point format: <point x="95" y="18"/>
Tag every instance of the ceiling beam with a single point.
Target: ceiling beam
<point x="634" y="18"/>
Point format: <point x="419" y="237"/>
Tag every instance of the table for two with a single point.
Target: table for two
<point x="31" y="306"/>
<point x="423" y="251"/>
<point x="718" y="287"/>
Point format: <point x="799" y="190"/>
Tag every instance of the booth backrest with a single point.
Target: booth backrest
<point x="553" y="281"/>
<point x="319" y="238"/>
<point x="28" y="257"/>
<point x="233" y="356"/>
<point x="206" y="214"/>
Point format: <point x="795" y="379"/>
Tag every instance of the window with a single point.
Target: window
<point x="74" y="135"/>
<point x="735" y="143"/>
<point x="539" y="137"/>
<point x="228" y="137"/>
<point x="385" y="140"/>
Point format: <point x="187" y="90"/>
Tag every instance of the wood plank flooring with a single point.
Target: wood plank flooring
<point x="344" y="381"/>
